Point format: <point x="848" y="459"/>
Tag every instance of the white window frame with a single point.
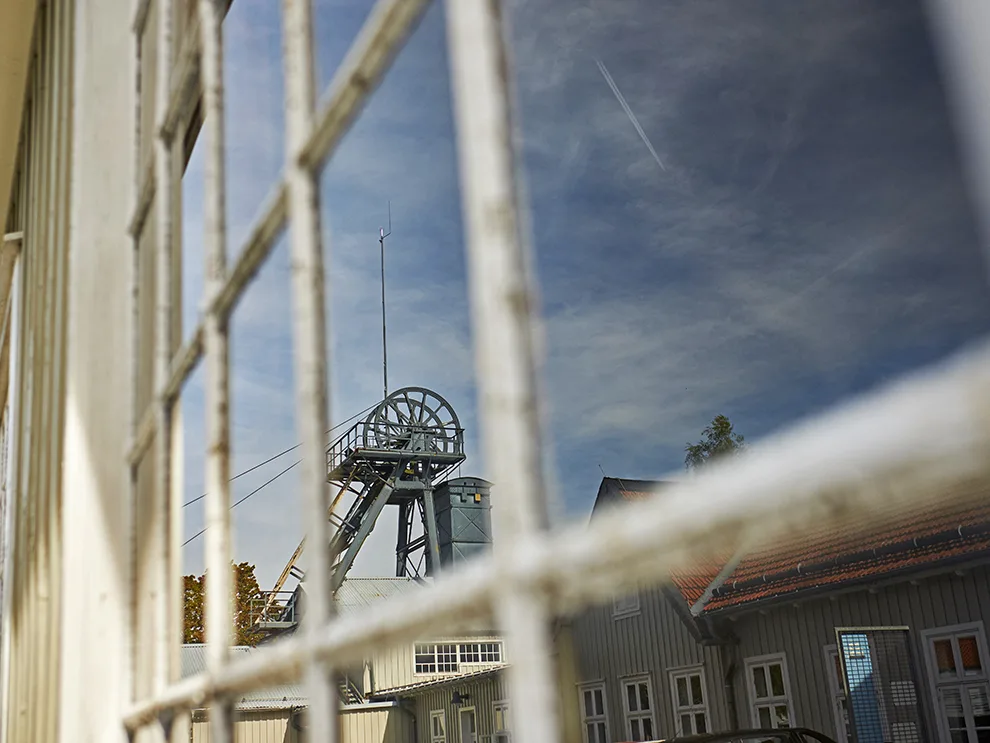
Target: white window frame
<point x="460" y="650"/>
<point x="442" y="716"/>
<point x="586" y="719"/>
<point x="640" y="716"/>
<point x="771" y="701"/>
<point x="627" y="605"/>
<point x="501" y="734"/>
<point x="691" y="709"/>
<point x="928" y="638"/>
<point x="461" y="711"/>
<point x="837" y="691"/>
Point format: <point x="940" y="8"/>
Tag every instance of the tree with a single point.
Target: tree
<point x="246" y="591"/>
<point x="717" y="440"/>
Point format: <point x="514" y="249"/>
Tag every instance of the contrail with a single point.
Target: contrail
<point x="630" y="114"/>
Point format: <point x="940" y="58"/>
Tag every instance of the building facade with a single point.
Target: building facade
<point x="753" y="641"/>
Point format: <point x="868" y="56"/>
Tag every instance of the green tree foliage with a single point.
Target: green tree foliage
<point x="717" y="440"/>
<point x="246" y="590"/>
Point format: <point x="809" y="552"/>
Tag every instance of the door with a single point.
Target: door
<point x="468" y="725"/>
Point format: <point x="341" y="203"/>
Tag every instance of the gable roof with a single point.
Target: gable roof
<point x="925" y="537"/>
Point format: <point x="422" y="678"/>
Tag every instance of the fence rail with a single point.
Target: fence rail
<point x="908" y="443"/>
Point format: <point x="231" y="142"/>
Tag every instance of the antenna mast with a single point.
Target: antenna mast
<point x="381" y="241"/>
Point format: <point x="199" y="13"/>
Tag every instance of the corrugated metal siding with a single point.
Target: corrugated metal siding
<point x="653" y="642"/>
<point x="41" y="211"/>
<point x="482" y="695"/>
<point x="801" y="631"/>
<point x="379" y="725"/>
<point x="253" y="727"/>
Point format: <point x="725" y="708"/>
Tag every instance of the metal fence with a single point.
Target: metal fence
<point x="899" y="446"/>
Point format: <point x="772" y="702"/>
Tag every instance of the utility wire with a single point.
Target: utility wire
<point x="280" y="454"/>
<point x="253" y="492"/>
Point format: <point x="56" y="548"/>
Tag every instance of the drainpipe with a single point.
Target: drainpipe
<point x="727" y="656"/>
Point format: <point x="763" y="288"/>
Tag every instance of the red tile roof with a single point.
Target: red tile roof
<point x="924" y="537"/>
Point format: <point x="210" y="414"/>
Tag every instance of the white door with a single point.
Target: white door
<point x="469" y="726"/>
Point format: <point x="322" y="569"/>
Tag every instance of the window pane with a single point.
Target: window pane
<point x="600" y="727"/>
<point x="589" y="710"/>
<point x="591" y="734"/>
<point x="685" y="725"/>
<point x="648" y="729"/>
<point x="969" y="651"/>
<point x="682" y="692"/>
<point x="765" y="717"/>
<point x="700" y="723"/>
<point x="644" y="697"/>
<point x="634" y="726"/>
<point x="631" y="697"/>
<point x="952" y="708"/>
<point x="599" y="702"/>
<point x="777" y="680"/>
<point x="980" y="705"/>
<point x="760" y="682"/>
<point x="944" y="658"/>
<point x="783" y="719"/>
<point x="696" y="695"/>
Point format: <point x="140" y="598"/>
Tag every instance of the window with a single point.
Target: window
<point x="593" y="717"/>
<point x="687" y="689"/>
<point x="766" y="678"/>
<point x="957" y="664"/>
<point x="438" y="726"/>
<point x="625" y="606"/>
<point x="449" y="657"/>
<point x="840" y="705"/>
<point x="500" y="725"/>
<point x="638" y="702"/>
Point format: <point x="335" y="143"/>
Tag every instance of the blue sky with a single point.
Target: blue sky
<point x="807" y="239"/>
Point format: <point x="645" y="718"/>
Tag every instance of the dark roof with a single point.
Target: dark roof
<point x="617" y="489"/>
<point x="929" y="536"/>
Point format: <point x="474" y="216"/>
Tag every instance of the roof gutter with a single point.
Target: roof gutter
<point x="933" y="569"/>
<point x="933" y="540"/>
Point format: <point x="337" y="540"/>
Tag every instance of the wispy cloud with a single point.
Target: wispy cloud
<point x="807" y="238"/>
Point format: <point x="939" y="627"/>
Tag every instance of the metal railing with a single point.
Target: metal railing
<point x="895" y="448"/>
<point x="272" y="607"/>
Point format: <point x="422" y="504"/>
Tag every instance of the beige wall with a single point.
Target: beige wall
<point x="261" y="726"/>
<point x="396" y="666"/>
<point x="39" y="207"/>
<point x="377" y="725"/>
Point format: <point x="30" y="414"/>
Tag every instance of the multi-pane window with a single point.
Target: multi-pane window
<point x="593" y="718"/>
<point x="500" y="725"/>
<point x="768" y="691"/>
<point x="438" y="726"/>
<point x="690" y="701"/>
<point x="958" y="662"/>
<point x="625" y="606"/>
<point x="638" y="705"/>
<point x="449" y="657"/>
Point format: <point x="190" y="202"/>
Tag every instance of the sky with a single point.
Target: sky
<point x="804" y="237"/>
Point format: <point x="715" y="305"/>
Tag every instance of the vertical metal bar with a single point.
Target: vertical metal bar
<point x="309" y="335"/>
<point x="503" y="303"/>
<point x="219" y="594"/>
<point x="135" y="354"/>
<point x="162" y="488"/>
